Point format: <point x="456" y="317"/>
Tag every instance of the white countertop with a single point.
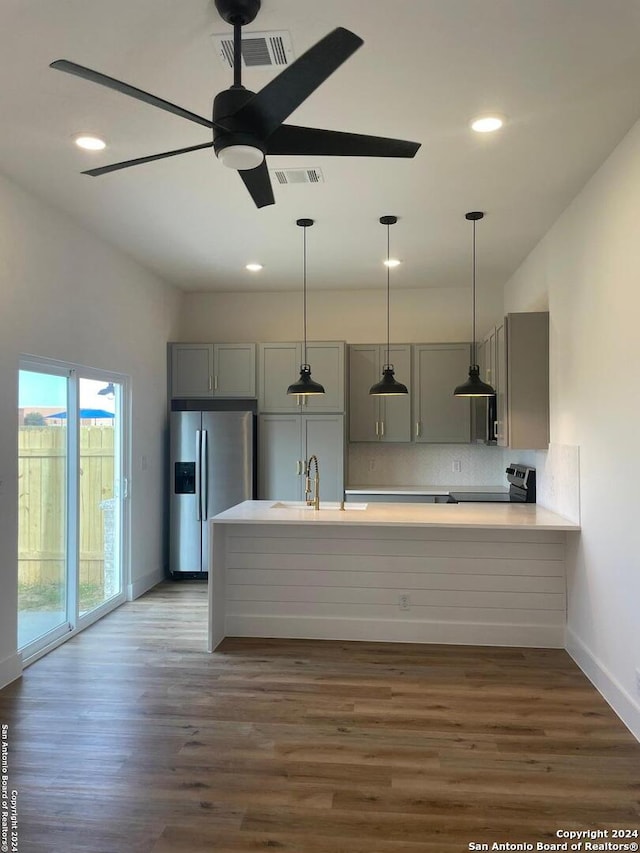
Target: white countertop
<point x="421" y="490"/>
<point x="490" y="516"/>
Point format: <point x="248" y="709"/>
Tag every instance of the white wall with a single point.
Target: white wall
<point x="66" y="295"/>
<point x="433" y="314"/>
<point x="588" y="270"/>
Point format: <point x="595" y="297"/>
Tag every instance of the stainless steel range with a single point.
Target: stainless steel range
<point x="522" y="489"/>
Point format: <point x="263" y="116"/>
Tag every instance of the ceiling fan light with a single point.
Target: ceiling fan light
<point x="241" y="157"/>
<point x="474" y="386"/>
<point x="388" y="385"/>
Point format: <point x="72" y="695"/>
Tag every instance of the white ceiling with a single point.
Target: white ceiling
<point x="565" y="72"/>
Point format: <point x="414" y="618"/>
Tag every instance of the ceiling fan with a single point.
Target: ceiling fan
<point x="248" y="126"/>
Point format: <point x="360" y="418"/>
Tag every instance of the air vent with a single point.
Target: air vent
<point x="298" y="176"/>
<point x="259" y="50"/>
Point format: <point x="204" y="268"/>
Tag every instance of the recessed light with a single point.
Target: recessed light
<point x="89" y="142"/>
<point x="254" y="267"/>
<point x="392" y="262"/>
<point x="487" y="123"/>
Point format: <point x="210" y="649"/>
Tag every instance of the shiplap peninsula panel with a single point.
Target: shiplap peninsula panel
<point x="490" y="587"/>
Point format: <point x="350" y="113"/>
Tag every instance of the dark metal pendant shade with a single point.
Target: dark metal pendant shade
<point x="474" y="386"/>
<point x="388" y="386"/>
<point x="305" y="385"/>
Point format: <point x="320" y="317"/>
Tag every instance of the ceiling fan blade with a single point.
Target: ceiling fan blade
<point x="126" y="89"/>
<point x="290" y="139"/>
<point x="258" y="182"/>
<point x="103" y="170"/>
<point x="277" y="100"/>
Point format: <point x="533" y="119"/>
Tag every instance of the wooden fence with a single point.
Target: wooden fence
<point x="42" y="502"/>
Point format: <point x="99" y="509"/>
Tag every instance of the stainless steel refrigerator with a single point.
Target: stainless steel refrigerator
<point x="212" y="467"/>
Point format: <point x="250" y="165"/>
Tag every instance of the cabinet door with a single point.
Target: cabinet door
<point x="502" y="427"/>
<point x="192" y="370"/>
<point x="363" y="409"/>
<point x="323" y="435"/>
<point x="327" y="367"/>
<point x="234" y="370"/>
<point x="280" y="458"/>
<point x="395" y="412"/>
<point x="278" y="367"/>
<point x="527" y="394"/>
<point x="440" y="417"/>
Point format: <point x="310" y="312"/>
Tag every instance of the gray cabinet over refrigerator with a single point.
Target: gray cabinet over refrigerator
<point x="212" y="462"/>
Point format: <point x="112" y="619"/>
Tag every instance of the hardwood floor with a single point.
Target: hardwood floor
<point x="130" y="738"/>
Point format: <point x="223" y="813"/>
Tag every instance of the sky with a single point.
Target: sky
<point x="49" y="391"/>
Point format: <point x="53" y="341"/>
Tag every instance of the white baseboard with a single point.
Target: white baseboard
<point x="394" y="631"/>
<point x="10" y="669"/>
<point x="625" y="706"/>
<point x="144" y="584"/>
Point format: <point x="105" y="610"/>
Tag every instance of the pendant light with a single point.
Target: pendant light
<point x="305" y="385"/>
<point x="388" y="385"/>
<point x="474" y="386"/>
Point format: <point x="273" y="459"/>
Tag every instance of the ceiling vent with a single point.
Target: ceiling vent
<point x="298" y="176"/>
<point x="259" y="50"/>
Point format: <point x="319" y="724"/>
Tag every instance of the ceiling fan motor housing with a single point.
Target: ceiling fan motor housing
<point x="227" y="130"/>
<point x="238" y="11"/>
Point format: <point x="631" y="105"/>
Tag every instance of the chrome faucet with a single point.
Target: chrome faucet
<point x="316" y="484"/>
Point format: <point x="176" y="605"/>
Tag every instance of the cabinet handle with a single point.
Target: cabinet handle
<point x="381" y="429"/>
<point x="298" y="471"/>
<point x="417" y="428"/>
<point x="215" y="382"/>
<point x="495" y="429"/>
<point x="210" y="386"/>
<point x="377" y="429"/>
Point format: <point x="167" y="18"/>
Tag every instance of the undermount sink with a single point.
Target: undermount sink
<point x="323" y="505"/>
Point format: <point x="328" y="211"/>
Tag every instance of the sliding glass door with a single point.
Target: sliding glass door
<point x="72" y="490"/>
<point x="43" y="476"/>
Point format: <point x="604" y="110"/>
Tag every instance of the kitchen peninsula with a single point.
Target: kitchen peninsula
<point x="486" y="574"/>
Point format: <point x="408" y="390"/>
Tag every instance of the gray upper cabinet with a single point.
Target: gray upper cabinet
<point x="285" y="443"/>
<point x="526" y="402"/>
<point x="279" y="366"/>
<point x="386" y="419"/>
<point x="192" y="370"/>
<point x="234" y="372"/>
<point x="439" y="417"/>
<point x="213" y="370"/>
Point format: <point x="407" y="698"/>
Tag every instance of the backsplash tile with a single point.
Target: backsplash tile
<point x="418" y="465"/>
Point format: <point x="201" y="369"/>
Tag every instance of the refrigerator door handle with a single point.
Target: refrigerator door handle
<point x="204" y="475"/>
<point x="198" y="475"/>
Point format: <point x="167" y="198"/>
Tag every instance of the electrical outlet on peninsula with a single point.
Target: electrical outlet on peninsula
<point x="404" y="602"/>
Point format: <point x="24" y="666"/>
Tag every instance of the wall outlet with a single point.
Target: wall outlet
<point x="372" y="465"/>
<point x="404" y="602"/>
<point x="456" y="466"/>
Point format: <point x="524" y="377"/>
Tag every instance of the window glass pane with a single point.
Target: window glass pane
<point x="99" y="505"/>
<point x="42" y="479"/>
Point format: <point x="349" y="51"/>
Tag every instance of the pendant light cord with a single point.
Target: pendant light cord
<point x="304" y="292"/>
<point x="473" y="299"/>
<point x="388" y="297"/>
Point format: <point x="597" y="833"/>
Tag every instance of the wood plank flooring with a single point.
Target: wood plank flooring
<point x="130" y="738"/>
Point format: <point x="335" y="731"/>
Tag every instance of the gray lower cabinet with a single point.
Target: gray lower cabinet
<point x="279" y="366"/>
<point x="285" y="442"/>
<point x="213" y="370"/>
<point x="383" y="419"/>
<point x="439" y="417"/>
